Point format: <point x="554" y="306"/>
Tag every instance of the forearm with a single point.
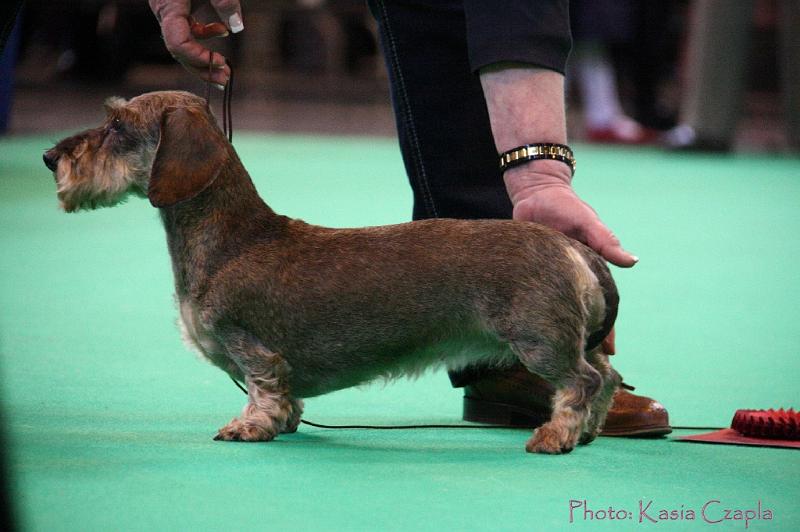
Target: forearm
<point x="525" y="103"/>
<point x="526" y="106"/>
<point x="520" y="50"/>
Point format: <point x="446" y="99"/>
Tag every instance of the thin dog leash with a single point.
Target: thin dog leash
<point x="393" y="427"/>
<point x="438" y="426"/>
<point x="227" y="120"/>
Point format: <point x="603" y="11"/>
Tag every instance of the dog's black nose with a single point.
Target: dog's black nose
<point x="50" y="161"/>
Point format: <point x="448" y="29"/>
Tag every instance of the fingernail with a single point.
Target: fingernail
<point x="235" y="22"/>
<point x="635" y="259"/>
<point x="220" y="87"/>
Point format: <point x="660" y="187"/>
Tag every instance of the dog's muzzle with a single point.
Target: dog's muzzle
<point x="50" y="161"/>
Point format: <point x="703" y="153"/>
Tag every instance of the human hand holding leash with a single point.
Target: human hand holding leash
<point x="181" y="35"/>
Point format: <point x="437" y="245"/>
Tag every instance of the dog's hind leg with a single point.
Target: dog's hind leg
<point x="604" y="398"/>
<point x="270" y="409"/>
<point x="576" y="384"/>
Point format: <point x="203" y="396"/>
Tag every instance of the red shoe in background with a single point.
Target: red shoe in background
<point x="622" y="130"/>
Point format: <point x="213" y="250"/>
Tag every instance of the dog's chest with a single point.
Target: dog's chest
<point x="198" y="337"/>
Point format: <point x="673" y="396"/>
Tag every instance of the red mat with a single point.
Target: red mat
<point x="760" y="428"/>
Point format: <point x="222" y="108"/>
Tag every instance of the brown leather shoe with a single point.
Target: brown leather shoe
<point x="635" y="415"/>
<point x="516" y="397"/>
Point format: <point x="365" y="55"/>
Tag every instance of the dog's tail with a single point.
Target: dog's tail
<point x="600" y="269"/>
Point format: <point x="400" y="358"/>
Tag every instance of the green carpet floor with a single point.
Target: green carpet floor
<point x="109" y="418"/>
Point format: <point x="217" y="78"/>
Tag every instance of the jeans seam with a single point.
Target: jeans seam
<point x="407" y="115"/>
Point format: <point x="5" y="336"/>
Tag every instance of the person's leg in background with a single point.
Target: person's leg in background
<point x="597" y="25"/>
<point x="790" y="69"/>
<point x="10" y="36"/>
<point x="719" y="38"/>
<point x="451" y="162"/>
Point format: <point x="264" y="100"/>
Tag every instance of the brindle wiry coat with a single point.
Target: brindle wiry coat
<point x="295" y="310"/>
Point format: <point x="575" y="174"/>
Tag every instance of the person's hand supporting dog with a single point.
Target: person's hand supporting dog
<point x="541" y="191"/>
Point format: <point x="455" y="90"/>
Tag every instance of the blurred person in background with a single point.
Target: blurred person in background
<point x="9" y="45"/>
<point x="597" y="25"/>
<point x="718" y="62"/>
<point x="10" y="34"/>
<point x="469" y="80"/>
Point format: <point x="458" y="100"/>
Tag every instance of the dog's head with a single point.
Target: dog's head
<point x="163" y="145"/>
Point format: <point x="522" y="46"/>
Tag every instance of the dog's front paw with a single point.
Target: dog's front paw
<point x="293" y="418"/>
<point x="291" y="426"/>
<point x="588" y="436"/>
<point x="238" y="430"/>
<point x="591" y="431"/>
<point x="551" y="439"/>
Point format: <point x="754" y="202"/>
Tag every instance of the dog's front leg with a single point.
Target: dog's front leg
<point x="270" y="409"/>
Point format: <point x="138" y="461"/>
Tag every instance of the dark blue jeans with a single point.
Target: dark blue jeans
<point x="440" y="111"/>
<point x="442" y="121"/>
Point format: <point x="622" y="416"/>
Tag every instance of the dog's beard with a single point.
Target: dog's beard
<point x="106" y="187"/>
<point x="69" y="202"/>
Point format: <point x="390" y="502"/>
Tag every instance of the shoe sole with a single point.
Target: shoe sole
<point x="496" y="413"/>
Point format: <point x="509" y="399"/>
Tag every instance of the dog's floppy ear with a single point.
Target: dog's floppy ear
<point x="189" y="156"/>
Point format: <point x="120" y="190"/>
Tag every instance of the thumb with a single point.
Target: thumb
<point x="601" y="239"/>
<point x="230" y="13"/>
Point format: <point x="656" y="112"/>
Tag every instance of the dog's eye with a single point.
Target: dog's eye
<point x="116" y="125"/>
